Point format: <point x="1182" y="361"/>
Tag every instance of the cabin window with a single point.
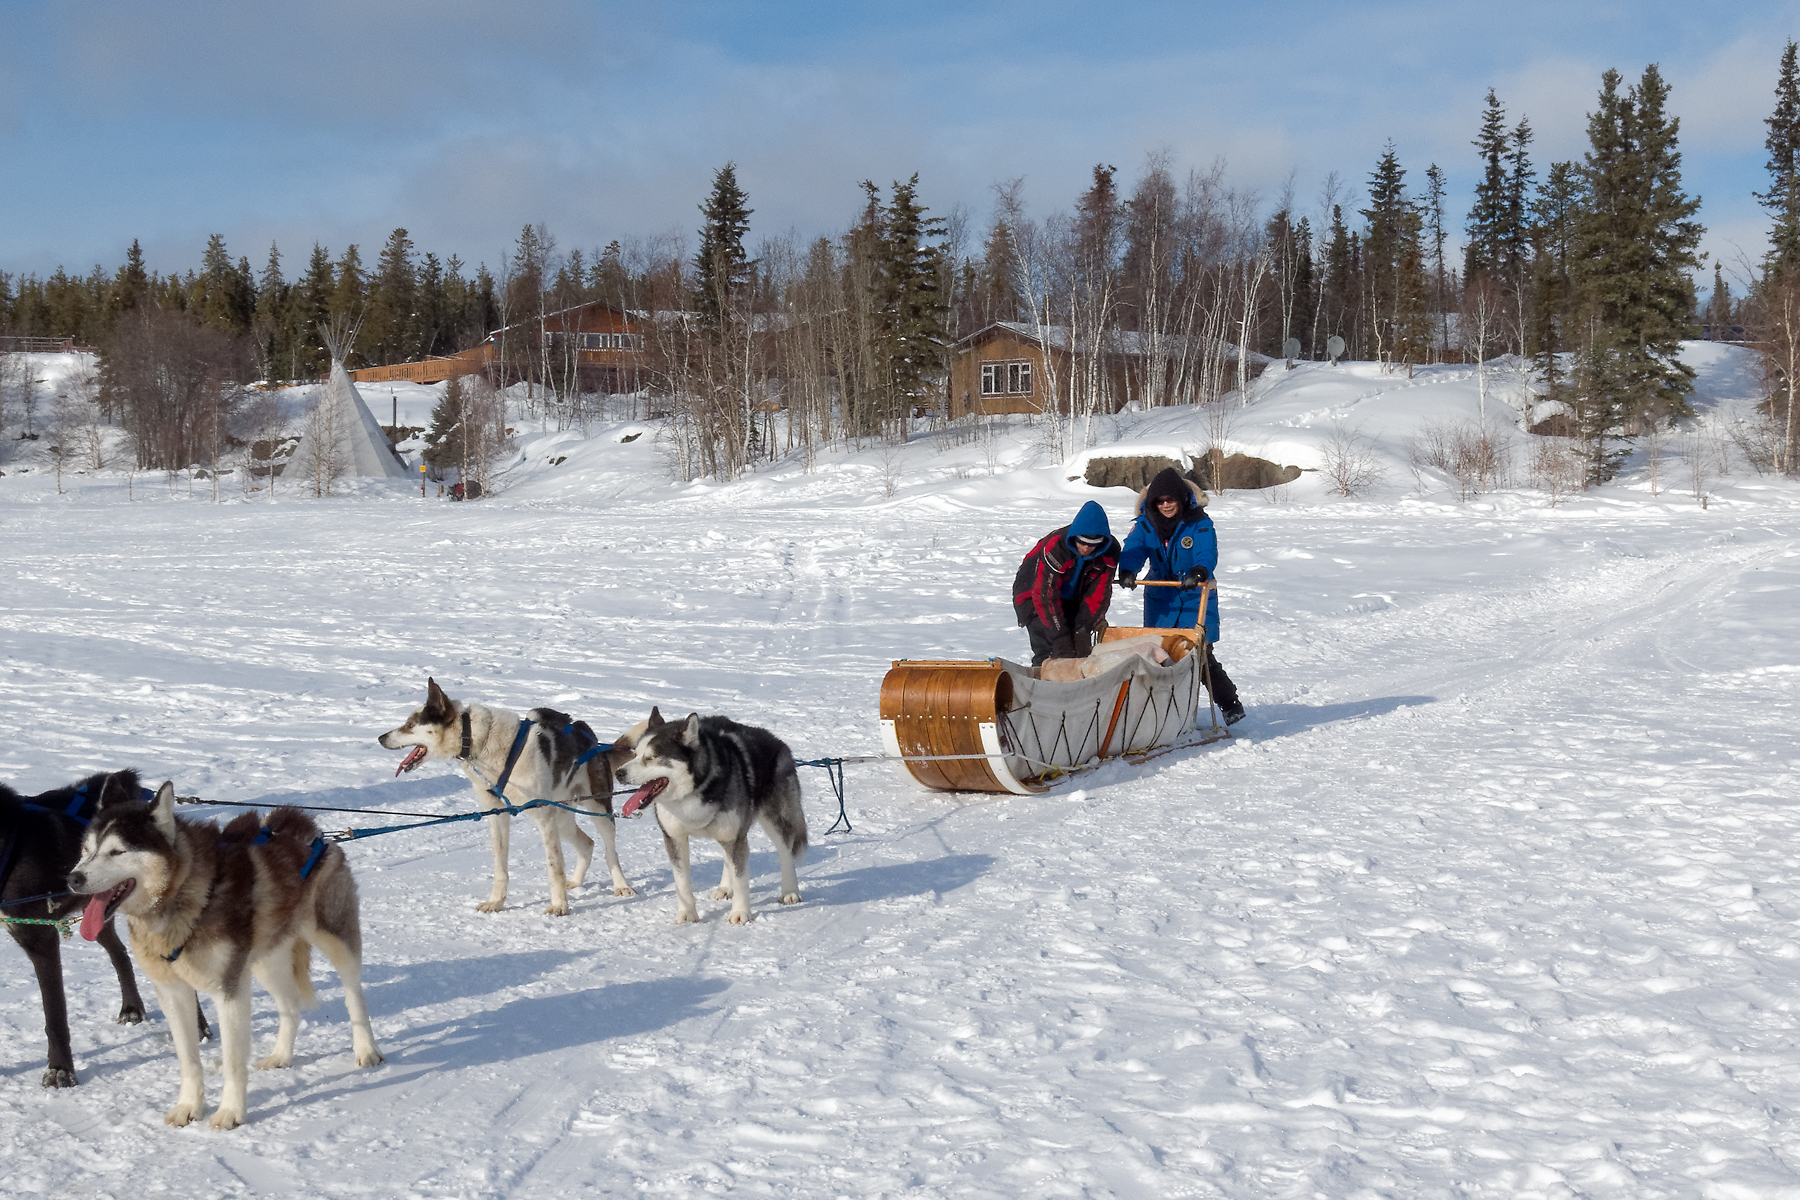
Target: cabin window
<point x="1006" y="379"/>
<point x="610" y="341"/>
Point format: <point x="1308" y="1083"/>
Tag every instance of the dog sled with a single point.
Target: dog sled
<point x="991" y="725"/>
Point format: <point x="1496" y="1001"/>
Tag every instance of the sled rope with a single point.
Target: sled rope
<point x="508" y="808"/>
<point x="832" y="766"/>
<point x="834" y="771"/>
<point x="374" y="812"/>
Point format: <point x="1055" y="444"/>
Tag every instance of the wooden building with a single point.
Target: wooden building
<point x="1007" y="368"/>
<point x="1001" y="369"/>
<point x="595" y="346"/>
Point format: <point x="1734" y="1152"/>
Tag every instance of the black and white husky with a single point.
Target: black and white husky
<point x="714" y="777"/>
<point x="553" y="762"/>
<point x="40" y="840"/>
<point x="210" y="908"/>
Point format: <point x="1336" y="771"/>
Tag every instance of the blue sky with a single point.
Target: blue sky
<point x="335" y="121"/>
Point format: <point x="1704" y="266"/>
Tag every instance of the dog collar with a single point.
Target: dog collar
<point x="468" y="742"/>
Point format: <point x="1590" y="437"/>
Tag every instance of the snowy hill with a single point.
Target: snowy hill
<point x="1492" y="895"/>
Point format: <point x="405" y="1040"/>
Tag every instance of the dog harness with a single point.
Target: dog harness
<point x="262" y="835"/>
<point x="581" y="730"/>
<point x="77" y="810"/>
<point x="512" y="757"/>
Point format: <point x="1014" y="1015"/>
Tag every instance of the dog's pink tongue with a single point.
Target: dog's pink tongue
<point x="93" y="917"/>
<point x="643" y="796"/>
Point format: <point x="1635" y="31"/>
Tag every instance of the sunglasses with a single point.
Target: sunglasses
<point x="1081" y="541"/>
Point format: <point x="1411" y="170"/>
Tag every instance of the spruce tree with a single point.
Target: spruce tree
<point x="608" y="279"/>
<point x="1513" y="238"/>
<point x="1633" y="250"/>
<point x="130" y="285"/>
<point x="309" y="306"/>
<point x="444" y="440"/>
<point x="1336" y="296"/>
<point x="223" y="295"/>
<point x="1306" y="282"/>
<point x="1487" y="217"/>
<point x="431" y="309"/>
<point x="390" y="332"/>
<point x="271" y="303"/>
<point x="1394" y="261"/>
<point x="1718" y="307"/>
<point x="1435" y="236"/>
<point x="349" y="293"/>
<point x="525" y="282"/>
<point x="1783" y="143"/>
<point x="483" y="313"/>
<point x="1554" y="211"/>
<point x="996" y="285"/>
<point x="913" y="307"/>
<point x="1291" y="268"/>
<point x="723" y="269"/>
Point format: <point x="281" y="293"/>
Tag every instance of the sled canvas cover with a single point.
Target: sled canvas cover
<point x="990" y="725"/>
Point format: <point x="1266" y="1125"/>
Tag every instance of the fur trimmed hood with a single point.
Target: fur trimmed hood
<point x="1160" y="486"/>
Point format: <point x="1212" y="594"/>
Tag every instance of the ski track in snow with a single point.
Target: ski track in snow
<point x="1493" y="895"/>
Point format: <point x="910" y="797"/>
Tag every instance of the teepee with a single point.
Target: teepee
<point x="342" y="437"/>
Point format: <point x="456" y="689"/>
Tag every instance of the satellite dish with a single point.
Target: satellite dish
<point x="1290" y="350"/>
<point x="1335" y="347"/>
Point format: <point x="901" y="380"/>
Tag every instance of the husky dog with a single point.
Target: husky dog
<point x="712" y="776"/>
<point x="40" y="839"/>
<point x="207" y="908"/>
<point x="211" y="907"/>
<point x="481" y="740"/>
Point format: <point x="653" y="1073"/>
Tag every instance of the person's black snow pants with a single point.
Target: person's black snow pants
<point x="1223" y="690"/>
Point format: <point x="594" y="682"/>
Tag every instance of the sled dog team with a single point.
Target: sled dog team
<point x="209" y="908"/>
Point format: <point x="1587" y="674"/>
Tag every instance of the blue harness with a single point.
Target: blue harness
<point x="263" y="835"/>
<point x="578" y="728"/>
<point x="78" y="810"/>
<point x="581" y="730"/>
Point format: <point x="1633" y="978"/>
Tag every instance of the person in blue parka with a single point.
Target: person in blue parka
<point x="1173" y="539"/>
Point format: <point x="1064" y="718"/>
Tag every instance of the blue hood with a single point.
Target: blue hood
<point x="1090" y="522"/>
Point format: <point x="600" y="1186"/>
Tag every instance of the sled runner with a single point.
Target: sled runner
<point x="990" y="725"/>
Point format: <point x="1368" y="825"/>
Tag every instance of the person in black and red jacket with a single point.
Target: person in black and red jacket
<point x="1064" y="585"/>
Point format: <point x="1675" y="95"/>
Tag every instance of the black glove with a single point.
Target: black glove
<point x="1194" y="578"/>
<point x="1062" y="647"/>
<point x="1128" y="580"/>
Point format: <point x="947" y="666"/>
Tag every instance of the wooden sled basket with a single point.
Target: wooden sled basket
<point x="989" y="725"/>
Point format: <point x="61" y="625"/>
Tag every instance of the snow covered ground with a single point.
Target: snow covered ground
<point x="1493" y="895"/>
